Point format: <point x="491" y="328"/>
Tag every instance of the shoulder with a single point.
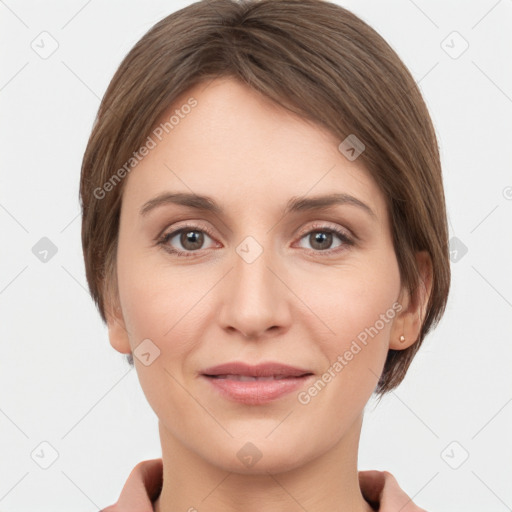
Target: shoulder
<point x="381" y="490"/>
<point x="142" y="487"/>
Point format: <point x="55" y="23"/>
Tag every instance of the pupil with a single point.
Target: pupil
<point x="320" y="237"/>
<point x="194" y="238"/>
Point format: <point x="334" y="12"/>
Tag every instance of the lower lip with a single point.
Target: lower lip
<point x="257" y="392"/>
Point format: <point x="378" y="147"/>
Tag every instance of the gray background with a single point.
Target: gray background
<point x="61" y="383"/>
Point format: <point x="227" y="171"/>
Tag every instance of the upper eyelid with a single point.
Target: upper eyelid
<point x="191" y="226"/>
<point x="197" y="225"/>
<point x="325" y="225"/>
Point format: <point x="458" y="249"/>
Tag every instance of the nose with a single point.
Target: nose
<point x="256" y="301"/>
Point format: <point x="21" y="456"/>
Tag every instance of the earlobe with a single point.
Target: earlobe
<point x="117" y="333"/>
<point x="407" y="327"/>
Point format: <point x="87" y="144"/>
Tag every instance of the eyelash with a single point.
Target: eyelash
<point x="162" y="240"/>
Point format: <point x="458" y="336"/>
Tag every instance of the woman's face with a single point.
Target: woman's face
<point x="264" y="278"/>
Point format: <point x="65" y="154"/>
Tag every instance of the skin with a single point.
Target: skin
<point x="293" y="304"/>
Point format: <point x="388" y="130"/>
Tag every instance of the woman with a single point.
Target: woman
<point x="264" y="233"/>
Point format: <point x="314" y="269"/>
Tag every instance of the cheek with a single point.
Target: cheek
<point x="354" y="309"/>
<point x="158" y="306"/>
<point x="356" y="304"/>
<point x="164" y="303"/>
<point x="155" y="307"/>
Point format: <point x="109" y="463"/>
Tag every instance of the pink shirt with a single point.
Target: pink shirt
<point x="144" y="484"/>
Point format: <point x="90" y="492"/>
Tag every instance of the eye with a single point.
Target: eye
<point x="190" y="238"/>
<point x="321" y="239"/>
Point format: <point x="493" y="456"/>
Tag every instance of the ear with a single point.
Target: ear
<point x="410" y="319"/>
<point x="117" y="332"/>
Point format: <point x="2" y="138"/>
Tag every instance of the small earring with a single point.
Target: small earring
<point x="402" y="338"/>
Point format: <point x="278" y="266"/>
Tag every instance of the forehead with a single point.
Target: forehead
<point x="223" y="139"/>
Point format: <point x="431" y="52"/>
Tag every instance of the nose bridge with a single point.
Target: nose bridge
<point x="255" y="298"/>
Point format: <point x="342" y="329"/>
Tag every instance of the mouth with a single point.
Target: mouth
<point x="250" y="378"/>
<point x="269" y="370"/>
<point x="255" y="385"/>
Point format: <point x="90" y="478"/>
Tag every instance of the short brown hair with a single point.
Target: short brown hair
<point x="312" y="57"/>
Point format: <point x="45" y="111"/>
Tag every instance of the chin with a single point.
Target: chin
<point x="256" y="456"/>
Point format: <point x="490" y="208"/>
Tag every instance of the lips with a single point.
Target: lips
<point x="249" y="378"/>
<point x="266" y="371"/>
<point x="255" y="385"/>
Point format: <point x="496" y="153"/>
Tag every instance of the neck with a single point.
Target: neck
<point x="328" y="482"/>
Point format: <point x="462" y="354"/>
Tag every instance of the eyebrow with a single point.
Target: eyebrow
<point x="294" y="205"/>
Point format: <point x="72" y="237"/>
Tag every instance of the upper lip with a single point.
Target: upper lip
<point x="261" y="370"/>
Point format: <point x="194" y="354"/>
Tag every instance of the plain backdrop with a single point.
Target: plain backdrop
<point x="70" y="402"/>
